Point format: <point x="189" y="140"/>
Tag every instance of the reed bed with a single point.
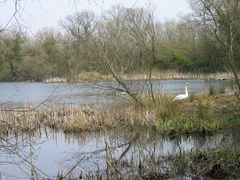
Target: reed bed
<point x="72" y="118"/>
<point x="55" y="79"/>
<point x="199" y="114"/>
<point x="215" y="163"/>
<point x="169" y="74"/>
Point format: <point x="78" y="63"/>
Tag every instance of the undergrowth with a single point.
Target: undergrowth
<point x="198" y="114"/>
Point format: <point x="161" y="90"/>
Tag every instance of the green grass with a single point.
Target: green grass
<point x="199" y="114"/>
<point x="215" y="163"/>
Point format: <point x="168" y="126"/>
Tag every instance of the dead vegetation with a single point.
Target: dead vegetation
<point x="199" y="114"/>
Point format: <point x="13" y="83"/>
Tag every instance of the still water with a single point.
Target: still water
<point x="50" y="153"/>
<point x="55" y="152"/>
<point x="91" y="93"/>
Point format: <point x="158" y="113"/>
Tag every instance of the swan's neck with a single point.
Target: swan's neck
<point x="186" y="91"/>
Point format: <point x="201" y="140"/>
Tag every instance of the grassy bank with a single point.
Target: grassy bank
<point x="199" y="114"/>
<point x="216" y="163"/>
<point x="170" y="74"/>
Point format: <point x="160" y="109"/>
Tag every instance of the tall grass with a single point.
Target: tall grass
<point x="202" y="113"/>
<point x="169" y="74"/>
<point x="215" y="163"/>
<point x="199" y="114"/>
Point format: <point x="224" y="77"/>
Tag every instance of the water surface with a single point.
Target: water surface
<point x="55" y="152"/>
<point x="91" y="93"/>
<point x="50" y="153"/>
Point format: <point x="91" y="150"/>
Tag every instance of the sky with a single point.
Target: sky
<point x="38" y="14"/>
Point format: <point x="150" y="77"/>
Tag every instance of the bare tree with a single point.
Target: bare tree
<point x="14" y="18"/>
<point x="142" y="29"/>
<point x="110" y="51"/>
<point x="80" y="29"/>
<point x="220" y="19"/>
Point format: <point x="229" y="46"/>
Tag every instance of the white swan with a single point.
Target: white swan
<point x="182" y="96"/>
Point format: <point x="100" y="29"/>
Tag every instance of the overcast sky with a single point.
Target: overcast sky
<point x="39" y="14"/>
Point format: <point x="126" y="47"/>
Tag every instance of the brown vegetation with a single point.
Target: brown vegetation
<point x="202" y="114"/>
<point x="168" y="74"/>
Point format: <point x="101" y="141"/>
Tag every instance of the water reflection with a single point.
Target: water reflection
<point x="54" y="152"/>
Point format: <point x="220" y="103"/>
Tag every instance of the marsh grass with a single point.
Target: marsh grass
<point x="74" y="118"/>
<point x="220" y="90"/>
<point x="173" y="74"/>
<point x="169" y="74"/>
<point x="215" y="163"/>
<point x="199" y="114"/>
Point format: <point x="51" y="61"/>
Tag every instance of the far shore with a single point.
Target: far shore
<point x="166" y="75"/>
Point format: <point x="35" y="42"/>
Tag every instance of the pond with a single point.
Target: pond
<point x="99" y="93"/>
<point x="47" y="153"/>
<point x="54" y="152"/>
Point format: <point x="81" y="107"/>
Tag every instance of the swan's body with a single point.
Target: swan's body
<point x="182" y="96"/>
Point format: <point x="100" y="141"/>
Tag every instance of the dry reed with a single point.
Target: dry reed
<point x="208" y="112"/>
<point x="169" y="74"/>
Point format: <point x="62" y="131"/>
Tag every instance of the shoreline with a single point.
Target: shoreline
<point x="166" y="75"/>
<point x="200" y="114"/>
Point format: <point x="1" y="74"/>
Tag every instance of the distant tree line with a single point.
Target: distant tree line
<point x="126" y="41"/>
